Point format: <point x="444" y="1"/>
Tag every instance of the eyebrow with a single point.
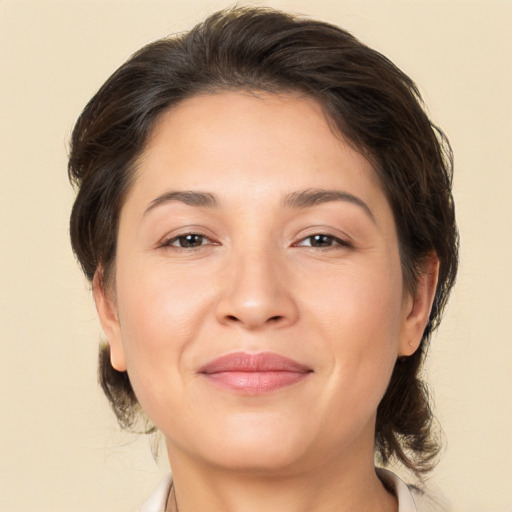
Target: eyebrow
<point x="189" y="197"/>
<point x="312" y="197"/>
<point x="299" y="199"/>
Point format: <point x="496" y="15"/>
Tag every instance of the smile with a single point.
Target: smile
<point x="254" y="374"/>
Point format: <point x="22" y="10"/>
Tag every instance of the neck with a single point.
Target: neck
<point x="331" y="487"/>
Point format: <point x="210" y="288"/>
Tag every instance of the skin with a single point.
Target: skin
<point x="257" y="281"/>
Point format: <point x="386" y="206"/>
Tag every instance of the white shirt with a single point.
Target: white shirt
<point x="158" y="500"/>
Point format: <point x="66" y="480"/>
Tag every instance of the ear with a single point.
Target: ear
<point x="109" y="319"/>
<point x="418" y="307"/>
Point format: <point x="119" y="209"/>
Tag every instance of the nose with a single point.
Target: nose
<point x="257" y="292"/>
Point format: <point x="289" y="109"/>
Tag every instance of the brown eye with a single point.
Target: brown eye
<point x="322" y="240"/>
<point x="188" y="241"/>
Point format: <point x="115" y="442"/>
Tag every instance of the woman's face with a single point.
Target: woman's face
<point x="259" y="307"/>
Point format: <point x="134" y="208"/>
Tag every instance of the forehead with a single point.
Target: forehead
<point x="263" y="142"/>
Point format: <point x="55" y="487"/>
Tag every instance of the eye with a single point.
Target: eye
<point x="322" y="240"/>
<point x="187" y="241"/>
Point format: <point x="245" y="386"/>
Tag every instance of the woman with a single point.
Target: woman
<point x="264" y="211"/>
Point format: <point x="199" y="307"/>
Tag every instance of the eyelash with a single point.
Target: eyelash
<point x="334" y="241"/>
<point x="171" y="241"/>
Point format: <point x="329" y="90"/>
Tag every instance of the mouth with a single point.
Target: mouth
<point x="254" y="374"/>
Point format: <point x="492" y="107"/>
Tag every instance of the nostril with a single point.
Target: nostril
<point x="272" y="319"/>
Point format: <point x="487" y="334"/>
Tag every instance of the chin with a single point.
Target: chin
<point x="254" y="446"/>
<point x="255" y="458"/>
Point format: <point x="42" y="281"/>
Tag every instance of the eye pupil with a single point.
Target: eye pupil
<point x="191" y="240"/>
<point x="321" y="240"/>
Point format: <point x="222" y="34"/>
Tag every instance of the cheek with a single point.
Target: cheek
<point x="360" y="316"/>
<point x="364" y="300"/>
<point x="160" y="314"/>
<point x="160" y="306"/>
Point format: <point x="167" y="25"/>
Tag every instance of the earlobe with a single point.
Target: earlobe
<point x="107" y="312"/>
<point x="418" y="308"/>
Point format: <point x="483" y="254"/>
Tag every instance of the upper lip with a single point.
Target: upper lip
<point x="259" y="362"/>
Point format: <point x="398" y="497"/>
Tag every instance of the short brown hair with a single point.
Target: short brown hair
<point x="366" y="97"/>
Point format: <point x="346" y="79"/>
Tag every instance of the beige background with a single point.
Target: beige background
<point x="60" y="449"/>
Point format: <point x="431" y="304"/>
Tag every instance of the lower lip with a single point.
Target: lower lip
<point x="255" y="383"/>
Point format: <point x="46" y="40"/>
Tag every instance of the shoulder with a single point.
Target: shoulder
<point x="158" y="500"/>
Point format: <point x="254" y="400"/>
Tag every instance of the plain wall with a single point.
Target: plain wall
<point x="60" y="448"/>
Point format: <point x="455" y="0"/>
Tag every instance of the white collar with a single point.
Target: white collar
<point x="402" y="492"/>
<point x="158" y="500"/>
